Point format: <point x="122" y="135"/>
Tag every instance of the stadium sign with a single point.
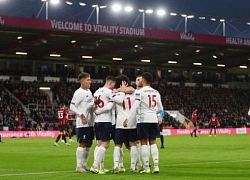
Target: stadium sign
<point x="238" y="41"/>
<point x="96" y="28"/>
<point x="33" y="23"/>
<point x="187" y="36"/>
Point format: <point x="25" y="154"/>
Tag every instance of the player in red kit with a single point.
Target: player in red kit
<point x="194" y="121"/>
<point x="214" y="122"/>
<point x="63" y="124"/>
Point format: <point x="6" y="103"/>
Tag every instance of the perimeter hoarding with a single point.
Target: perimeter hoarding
<point x="32" y="23"/>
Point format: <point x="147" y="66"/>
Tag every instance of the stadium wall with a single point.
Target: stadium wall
<point x="166" y="132"/>
<point x="172" y="132"/>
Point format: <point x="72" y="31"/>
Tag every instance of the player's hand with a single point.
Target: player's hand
<point x="97" y="101"/>
<point x="83" y="118"/>
<point x="125" y="123"/>
<point x="124" y="84"/>
<point x="159" y="121"/>
<point x="115" y="90"/>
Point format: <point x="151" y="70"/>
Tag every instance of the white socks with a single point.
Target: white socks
<point x="155" y="154"/>
<point x="133" y="156"/>
<point x="116" y="157"/>
<point x="99" y="156"/>
<point x="80" y="156"/>
<point x="138" y="160"/>
<point x="145" y="155"/>
<point x="86" y="156"/>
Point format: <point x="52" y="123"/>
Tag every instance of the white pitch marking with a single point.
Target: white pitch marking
<point x="34" y="173"/>
<point x="186" y="164"/>
<point x="213" y="162"/>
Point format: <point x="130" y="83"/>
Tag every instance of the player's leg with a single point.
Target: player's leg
<point x="154" y="133"/>
<point x="143" y="136"/>
<point x="58" y="137"/>
<point x="85" y="136"/>
<point x="161" y="136"/>
<point x="162" y="141"/>
<point x="80" y="150"/>
<point x="145" y="154"/>
<point x="64" y="137"/>
<point x="138" y="161"/>
<point x="121" y="165"/>
<point x="210" y="131"/>
<point x="195" y="129"/>
<point x="102" y="167"/>
<point x="132" y="135"/>
<point x="214" y="130"/>
<point x="86" y="156"/>
<point x="70" y="135"/>
<point x="122" y="139"/>
<point x="116" y="157"/>
<point x="105" y="133"/>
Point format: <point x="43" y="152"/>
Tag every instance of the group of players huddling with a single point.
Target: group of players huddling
<point x="117" y="111"/>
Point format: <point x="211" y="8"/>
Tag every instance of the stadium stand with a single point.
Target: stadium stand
<point x="231" y="105"/>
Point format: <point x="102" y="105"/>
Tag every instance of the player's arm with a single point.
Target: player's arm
<point x="66" y="114"/>
<point x="118" y="97"/>
<point x="104" y="109"/>
<point x="159" y="105"/>
<point x="132" y="112"/>
<point x="125" y="89"/>
<point x="73" y="108"/>
<point x="159" y="118"/>
<point x="90" y="104"/>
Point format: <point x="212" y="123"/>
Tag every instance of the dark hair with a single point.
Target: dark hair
<point x="110" y="78"/>
<point x="83" y="75"/>
<point x="121" y="78"/>
<point x="147" y="77"/>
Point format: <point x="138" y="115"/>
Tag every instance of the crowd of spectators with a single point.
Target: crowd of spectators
<point x="41" y="108"/>
<point x="230" y="105"/>
<point x="12" y="114"/>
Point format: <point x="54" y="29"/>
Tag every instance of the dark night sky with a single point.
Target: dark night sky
<point x="236" y="13"/>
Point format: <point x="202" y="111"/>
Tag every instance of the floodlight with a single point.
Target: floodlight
<point x="128" y="8"/>
<point x="149" y="11"/>
<point x="54" y="1"/>
<point x="161" y="12"/>
<point x="116" y="7"/>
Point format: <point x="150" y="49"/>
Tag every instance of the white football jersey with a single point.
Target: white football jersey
<point x="137" y="110"/>
<point x="83" y="101"/>
<point x="122" y="112"/>
<point x="149" y="104"/>
<point x="113" y="115"/>
<point x="105" y="95"/>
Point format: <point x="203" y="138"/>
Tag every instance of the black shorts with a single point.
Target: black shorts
<point x="63" y="128"/>
<point x="195" y="124"/>
<point x="161" y="127"/>
<point x="148" y="130"/>
<point x="113" y="132"/>
<point x="125" y="136"/>
<point x="84" y="134"/>
<point x="103" y="131"/>
<point x="213" y="126"/>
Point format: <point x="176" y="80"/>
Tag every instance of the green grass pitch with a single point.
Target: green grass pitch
<point x="184" y="157"/>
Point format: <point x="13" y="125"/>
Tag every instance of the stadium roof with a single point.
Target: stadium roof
<point x="207" y="14"/>
<point x="73" y="40"/>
